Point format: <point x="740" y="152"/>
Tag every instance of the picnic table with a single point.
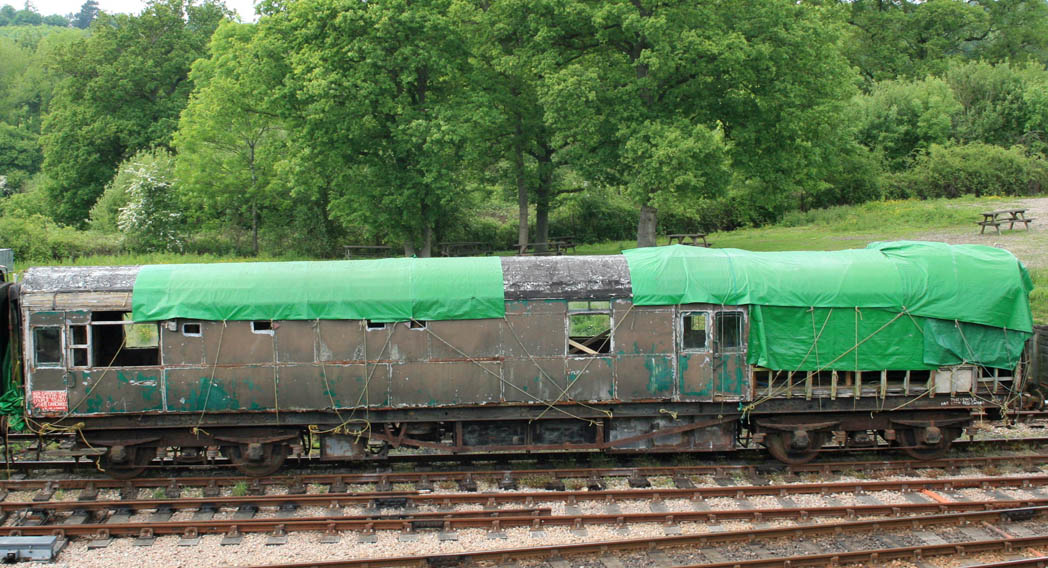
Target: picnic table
<point x="693" y="239"/>
<point x="554" y="246"/>
<point x="1011" y="216"/>
<point x="370" y="251"/>
<point x="464" y="248"/>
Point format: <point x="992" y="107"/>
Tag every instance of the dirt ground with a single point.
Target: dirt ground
<point x="1030" y="246"/>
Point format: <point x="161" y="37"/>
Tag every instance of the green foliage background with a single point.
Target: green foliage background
<point x="332" y="122"/>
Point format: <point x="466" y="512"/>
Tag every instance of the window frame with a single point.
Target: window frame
<point x="71" y="345"/>
<point x="60" y="364"/>
<point x="126" y="323"/>
<point x="707" y="317"/>
<point x="720" y="348"/>
<point x="590" y="310"/>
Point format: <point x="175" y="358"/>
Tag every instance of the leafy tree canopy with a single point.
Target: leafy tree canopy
<point x="122" y="89"/>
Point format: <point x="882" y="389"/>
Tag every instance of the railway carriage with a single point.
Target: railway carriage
<point x="670" y="349"/>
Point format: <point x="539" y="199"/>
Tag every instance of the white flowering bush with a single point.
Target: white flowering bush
<point x="150" y="219"/>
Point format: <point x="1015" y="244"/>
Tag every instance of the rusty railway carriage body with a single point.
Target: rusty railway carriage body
<point x="573" y="363"/>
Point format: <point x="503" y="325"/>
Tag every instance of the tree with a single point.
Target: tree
<point x="908" y="39"/>
<point x="122" y="90"/>
<point x="87" y="14"/>
<point x="148" y="214"/>
<point x="901" y="119"/>
<point x="665" y="100"/>
<point x="377" y="89"/>
<point x="228" y="143"/>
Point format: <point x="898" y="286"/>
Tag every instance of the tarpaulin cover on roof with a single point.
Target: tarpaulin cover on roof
<point x="385" y="290"/>
<point x="894" y="305"/>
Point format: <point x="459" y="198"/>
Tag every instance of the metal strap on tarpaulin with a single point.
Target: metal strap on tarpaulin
<point x="383" y="290"/>
<point x="962" y="303"/>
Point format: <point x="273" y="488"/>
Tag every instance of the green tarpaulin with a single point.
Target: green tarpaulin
<point x="920" y="305"/>
<point x="392" y="289"/>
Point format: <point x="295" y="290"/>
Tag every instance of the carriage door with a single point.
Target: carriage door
<point x="729" y="354"/>
<point x="711" y="345"/>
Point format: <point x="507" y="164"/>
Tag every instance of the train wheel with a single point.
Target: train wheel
<point x="920" y="450"/>
<point x="257" y="460"/>
<point x="131" y="464"/>
<point x="781" y="446"/>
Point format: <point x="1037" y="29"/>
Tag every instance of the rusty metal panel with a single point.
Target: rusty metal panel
<point x="644" y="377"/>
<point x="235" y="388"/>
<point x="533" y="381"/>
<point x="178" y="348"/>
<point x="538" y="333"/>
<point x="340" y="340"/>
<point x="47" y="318"/>
<point x="590" y="378"/>
<point x="395" y="342"/>
<point x="434" y="384"/>
<point x="296" y="341"/>
<point x="455" y="339"/>
<point x="518" y="307"/>
<point x="116" y="390"/>
<point x="643" y="329"/>
<point x="233" y="343"/>
<point x="307" y="387"/>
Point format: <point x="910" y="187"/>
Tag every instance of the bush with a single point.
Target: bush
<point x="971" y="169"/>
<point x="39" y="238"/>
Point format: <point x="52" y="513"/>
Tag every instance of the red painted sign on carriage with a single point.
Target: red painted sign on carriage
<point x="51" y="401"/>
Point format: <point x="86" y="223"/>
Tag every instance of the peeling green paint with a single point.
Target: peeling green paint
<point x="660" y="375"/>
<point x="217" y="399"/>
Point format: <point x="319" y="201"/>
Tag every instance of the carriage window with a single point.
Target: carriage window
<point x="78" y="345"/>
<point x="589" y="328"/>
<point x="116" y="341"/>
<point x="47" y="346"/>
<point x="373" y="325"/>
<point x="694" y="335"/>
<point x="191" y="330"/>
<point x="263" y="327"/>
<point x="729" y="331"/>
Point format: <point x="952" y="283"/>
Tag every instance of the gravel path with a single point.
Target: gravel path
<point x="304" y="547"/>
<point x="1029" y="246"/>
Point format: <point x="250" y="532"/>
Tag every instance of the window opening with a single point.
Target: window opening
<point x="589" y="328"/>
<point x="729" y="331"/>
<point x="372" y="325"/>
<point x="191" y="330"/>
<point x="263" y="327"/>
<point x="695" y="336"/>
<point x="416" y="324"/>
<point x="78" y="345"/>
<point x="118" y="341"/>
<point x="47" y="346"/>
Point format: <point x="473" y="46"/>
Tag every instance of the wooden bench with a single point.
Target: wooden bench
<point x="553" y="248"/>
<point x="564" y="243"/>
<point x="692" y="239"/>
<point x="1011" y="216"/>
<point x="366" y="251"/>
<point x="464" y="248"/>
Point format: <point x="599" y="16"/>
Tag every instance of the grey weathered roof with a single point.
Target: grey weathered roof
<point x="568" y="277"/>
<point x="79" y="279"/>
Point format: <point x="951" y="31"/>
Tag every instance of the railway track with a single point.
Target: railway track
<point x="753" y="458"/>
<point x="469" y="481"/>
<point x="709" y="542"/>
<point x="401" y="510"/>
<point x="475" y="516"/>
